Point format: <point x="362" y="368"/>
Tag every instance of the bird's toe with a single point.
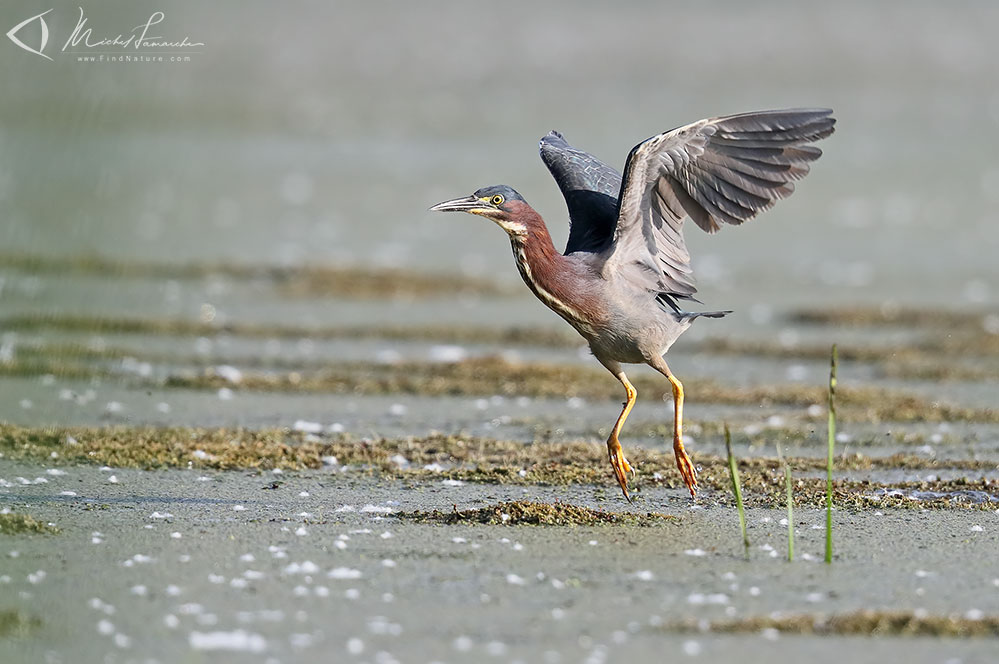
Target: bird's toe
<point x="620" y="466"/>
<point x="686" y="467"/>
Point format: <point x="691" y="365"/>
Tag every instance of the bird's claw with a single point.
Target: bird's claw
<point x="686" y="467"/>
<point x="620" y="465"/>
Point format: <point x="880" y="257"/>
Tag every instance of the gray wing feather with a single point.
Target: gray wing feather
<point x="590" y="188"/>
<point x="720" y="170"/>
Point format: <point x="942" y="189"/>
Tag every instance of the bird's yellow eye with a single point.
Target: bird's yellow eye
<point x="497" y="200"/>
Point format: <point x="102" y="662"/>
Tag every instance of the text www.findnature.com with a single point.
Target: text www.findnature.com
<point x="133" y="58"/>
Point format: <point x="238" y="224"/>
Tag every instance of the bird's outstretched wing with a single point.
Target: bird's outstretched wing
<point x="720" y="170"/>
<point x="590" y="188"/>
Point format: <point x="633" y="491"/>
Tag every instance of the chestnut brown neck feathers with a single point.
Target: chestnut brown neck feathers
<point x="551" y="276"/>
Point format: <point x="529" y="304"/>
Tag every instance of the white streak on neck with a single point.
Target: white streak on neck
<point x="560" y="307"/>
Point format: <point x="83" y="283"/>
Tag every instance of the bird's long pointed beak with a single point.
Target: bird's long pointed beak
<point x="466" y="204"/>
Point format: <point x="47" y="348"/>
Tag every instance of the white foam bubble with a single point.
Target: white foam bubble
<point x="236" y="641"/>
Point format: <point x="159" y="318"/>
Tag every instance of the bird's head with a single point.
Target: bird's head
<point x="499" y="202"/>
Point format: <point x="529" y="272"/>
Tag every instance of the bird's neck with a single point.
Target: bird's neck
<point x="532" y="244"/>
<point x="546" y="272"/>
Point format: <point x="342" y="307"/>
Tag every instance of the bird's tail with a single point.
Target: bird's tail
<point x="670" y="300"/>
<point x="691" y="315"/>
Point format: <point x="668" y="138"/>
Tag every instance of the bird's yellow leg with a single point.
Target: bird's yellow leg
<point x="614" y="452"/>
<point x="683" y="462"/>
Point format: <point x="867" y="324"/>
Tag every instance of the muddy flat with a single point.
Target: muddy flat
<point x="186" y="565"/>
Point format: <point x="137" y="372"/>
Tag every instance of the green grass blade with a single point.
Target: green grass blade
<point x="829" y="461"/>
<point x="737" y="489"/>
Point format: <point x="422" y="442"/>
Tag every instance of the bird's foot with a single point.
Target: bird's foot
<point x="620" y="464"/>
<point x="686" y="467"/>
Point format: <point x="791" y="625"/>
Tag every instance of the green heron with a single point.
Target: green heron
<point x="626" y="268"/>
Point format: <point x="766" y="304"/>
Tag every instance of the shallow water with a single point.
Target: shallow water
<point x="208" y="565"/>
<point x="295" y="147"/>
<point x="319" y="137"/>
<point x="324" y="136"/>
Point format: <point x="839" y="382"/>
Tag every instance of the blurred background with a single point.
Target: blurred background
<point x="312" y="136"/>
